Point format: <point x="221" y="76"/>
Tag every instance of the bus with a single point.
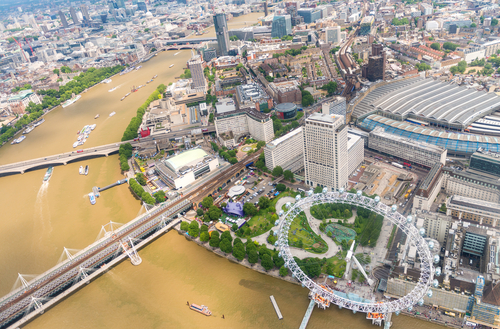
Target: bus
<point x="450" y="314"/>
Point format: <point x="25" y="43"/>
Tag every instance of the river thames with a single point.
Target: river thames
<point x="40" y="219"/>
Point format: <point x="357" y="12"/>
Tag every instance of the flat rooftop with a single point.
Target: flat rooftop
<point x="283" y="138"/>
<point x="320" y="117"/>
<point x="379" y="131"/>
<point x="475" y="204"/>
<point x="185" y="159"/>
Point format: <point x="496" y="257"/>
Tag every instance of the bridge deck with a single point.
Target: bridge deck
<point x="307" y="316"/>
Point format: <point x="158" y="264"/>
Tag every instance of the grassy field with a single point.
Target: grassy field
<point x="261" y="223"/>
<point x="335" y="265"/>
<point x="302" y="236"/>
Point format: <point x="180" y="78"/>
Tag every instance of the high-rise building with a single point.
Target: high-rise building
<point x="325" y="151"/>
<point x="120" y="3"/>
<point x="286" y="151"/>
<point x="485" y="163"/>
<point x="282" y="25"/>
<point x="104" y="18"/>
<point x="208" y="54"/>
<point x="221" y="32"/>
<point x="64" y="22"/>
<point x="195" y="64"/>
<point x="85" y="13"/>
<point x="74" y="17"/>
<point x="141" y="5"/>
<point x="332" y="35"/>
<point x="310" y="14"/>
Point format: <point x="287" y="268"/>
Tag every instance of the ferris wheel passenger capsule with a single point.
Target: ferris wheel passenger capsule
<point x="409" y="218"/>
<point x="410" y="308"/>
<point x="341" y="190"/>
<point x="436" y="259"/>
<point x="397" y="312"/>
<point x="431" y="245"/>
<point x="422" y="231"/>
<point x="438" y="271"/>
<point x="276" y="244"/>
<point x="275" y="233"/>
<point x="310" y="192"/>
<point x="288" y="204"/>
<point x="394" y="208"/>
<point x="435" y="283"/>
<point x="359" y="194"/>
<point x="421" y="302"/>
<point x="429" y="293"/>
<point x="281" y="213"/>
<point x="297" y="197"/>
<point x="377" y="199"/>
<point x="325" y="189"/>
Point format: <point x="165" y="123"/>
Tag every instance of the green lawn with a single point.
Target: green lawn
<point x="302" y="236"/>
<point x="335" y="265"/>
<point x="261" y="223"/>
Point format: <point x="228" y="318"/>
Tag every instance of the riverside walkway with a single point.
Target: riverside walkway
<point x="84" y="154"/>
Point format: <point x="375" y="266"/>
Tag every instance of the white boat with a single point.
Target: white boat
<point x="80" y="171"/>
<point x="92" y="127"/>
<point x="106" y="81"/>
<point x="36" y="124"/>
<point x="75" y="144"/>
<point x="28" y="130"/>
<point x="86" y="170"/>
<point x="71" y="101"/>
<point x="177" y="53"/>
<point x="112" y="113"/>
<point x="171" y="66"/>
<point x="96" y="116"/>
<point x="112" y="89"/>
<point x="20" y="139"/>
<point x="138" y="67"/>
<point x="92" y="198"/>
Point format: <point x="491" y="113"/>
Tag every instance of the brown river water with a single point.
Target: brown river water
<point x="39" y="220"/>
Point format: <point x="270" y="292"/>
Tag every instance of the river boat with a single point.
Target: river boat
<point x="13" y="142"/>
<point x="112" y="89"/>
<point x="200" y="309"/>
<point x="134" y="89"/>
<point x="96" y="116"/>
<point x="92" y="127"/>
<point x="171" y="65"/>
<point x="71" y="101"/>
<point x="36" y="124"/>
<point x="48" y="174"/>
<point x="127" y="94"/>
<point x="177" y="53"/>
<point x="92" y="198"/>
<point x="80" y="171"/>
<point x="28" y="130"/>
<point x="86" y="170"/>
<point x="138" y="67"/>
<point x="106" y="81"/>
<point x="112" y="113"/>
<point x="20" y="139"/>
<point x="123" y="98"/>
<point x="156" y="76"/>
<point x="75" y="144"/>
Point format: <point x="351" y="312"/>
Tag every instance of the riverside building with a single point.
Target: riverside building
<point x="325" y="151"/>
<point x="286" y="151"/>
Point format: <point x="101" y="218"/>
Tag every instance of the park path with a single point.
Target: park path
<point x="333" y="249"/>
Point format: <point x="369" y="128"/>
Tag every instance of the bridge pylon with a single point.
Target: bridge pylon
<point x="131" y="252"/>
<point x="35" y="303"/>
<point x="108" y="229"/>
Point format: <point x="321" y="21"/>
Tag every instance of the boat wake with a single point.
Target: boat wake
<point x="42" y="224"/>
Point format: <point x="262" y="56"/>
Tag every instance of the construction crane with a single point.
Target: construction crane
<point x="22" y="50"/>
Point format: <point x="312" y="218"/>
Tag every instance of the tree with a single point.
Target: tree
<point x="213" y="213"/>
<point x="239" y="251"/>
<point x="214" y="239"/>
<point x="473" y="25"/>
<point x="56" y="71"/>
<point x="288" y="175"/>
<point x="307" y="99"/>
<point x="436" y="46"/>
<point x="114" y="36"/>
<point x="233" y="161"/>
<point x="331" y="87"/>
<point x="199" y="212"/>
<point x="422" y="67"/>
<point x="249" y="209"/>
<point x="450" y="46"/>
<point x="214" y="147"/>
<point x="283" y="271"/>
<point x="194" y="229"/>
<point x="260" y="144"/>
<point x="65" y="69"/>
<point x="494" y="22"/>
<point x="160" y="196"/>
<point x="226" y="235"/>
<point x="280" y="187"/>
<point x="318" y="189"/>
<point x="277" y="171"/>
<point x="184" y="226"/>
<point x="225" y="246"/>
<point x="207" y="202"/>
<point x="253" y="257"/>
<point x="141" y="179"/>
<point x="233" y="38"/>
<point x="204" y="236"/>
<point x="186" y="74"/>
<point x="264" y="202"/>
<point x="211" y="118"/>
<point x="147" y="198"/>
<point x="267" y="262"/>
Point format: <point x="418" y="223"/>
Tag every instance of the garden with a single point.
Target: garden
<point x="302" y="236"/>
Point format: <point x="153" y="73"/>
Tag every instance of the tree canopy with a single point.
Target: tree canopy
<point x="436" y="46"/>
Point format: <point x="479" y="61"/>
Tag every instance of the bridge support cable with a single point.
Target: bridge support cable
<point x="131" y="252"/>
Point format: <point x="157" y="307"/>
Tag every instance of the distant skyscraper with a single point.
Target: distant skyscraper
<point x="220" y="24"/>
<point x="282" y="25"/>
<point x="325" y="151"/>
<point x="64" y="22"/>
<point x="195" y="64"/>
<point x="142" y="6"/>
<point x="85" y="13"/>
<point x="104" y="18"/>
<point x="121" y="3"/>
<point x="73" y="15"/>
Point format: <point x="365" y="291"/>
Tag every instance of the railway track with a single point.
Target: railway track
<point x="192" y="196"/>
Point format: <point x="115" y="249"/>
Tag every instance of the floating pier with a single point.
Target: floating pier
<point x="307" y="316"/>
<point x="97" y="190"/>
<point x="276" y="308"/>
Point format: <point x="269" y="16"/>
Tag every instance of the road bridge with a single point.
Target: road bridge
<point x="85" y="154"/>
<point x="48" y="288"/>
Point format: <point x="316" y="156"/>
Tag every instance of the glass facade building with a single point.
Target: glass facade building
<point x="282" y="25"/>
<point x="221" y="33"/>
<point x="310" y="15"/>
<point x="455" y="143"/>
<point x="488" y="163"/>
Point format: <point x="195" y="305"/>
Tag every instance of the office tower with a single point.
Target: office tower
<point x="85" y="13"/>
<point x="64" y="22"/>
<point x="286" y="151"/>
<point x="332" y="35"/>
<point x="121" y="3"/>
<point x="282" y="25"/>
<point x="45" y="29"/>
<point x="104" y="18"/>
<point x="73" y="15"/>
<point x="325" y="151"/>
<point x="142" y="6"/>
<point x="377" y="49"/>
<point x="220" y="25"/>
<point x="266" y="9"/>
<point x="195" y="64"/>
